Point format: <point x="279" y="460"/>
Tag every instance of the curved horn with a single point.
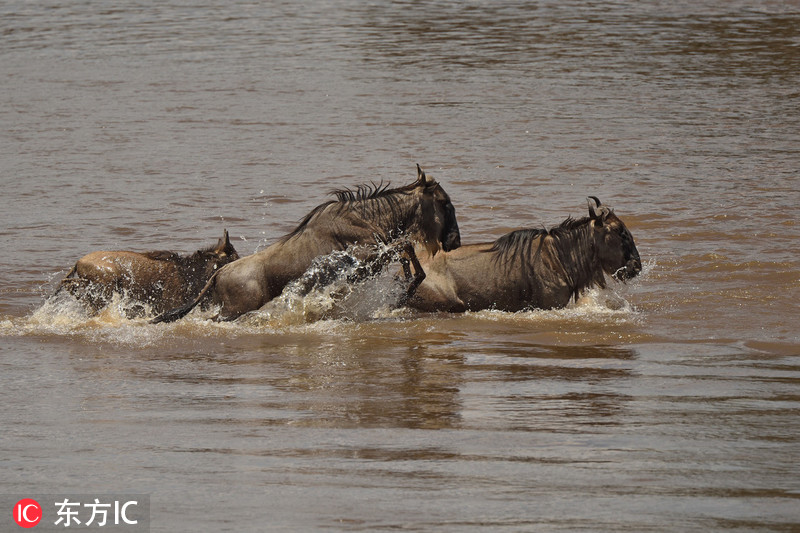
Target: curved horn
<point x="592" y="211"/>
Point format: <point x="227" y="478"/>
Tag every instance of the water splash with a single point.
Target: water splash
<point x="612" y="304"/>
<point x="331" y="289"/>
<point x="63" y="315"/>
<point x="326" y="297"/>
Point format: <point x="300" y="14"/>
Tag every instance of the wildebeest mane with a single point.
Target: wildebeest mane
<point x="161" y="255"/>
<point x="371" y="201"/>
<point x="173" y="257"/>
<point x="363" y="192"/>
<point x="517" y="244"/>
<point x="570" y="241"/>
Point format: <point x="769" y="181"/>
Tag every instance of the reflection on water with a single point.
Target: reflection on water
<point x="413" y="408"/>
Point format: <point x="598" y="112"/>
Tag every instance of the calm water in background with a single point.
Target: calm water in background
<point x="670" y="403"/>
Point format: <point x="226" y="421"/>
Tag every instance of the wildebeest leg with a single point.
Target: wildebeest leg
<point x="323" y="273"/>
<point x="376" y="262"/>
<point x="336" y="264"/>
<point x="407" y="260"/>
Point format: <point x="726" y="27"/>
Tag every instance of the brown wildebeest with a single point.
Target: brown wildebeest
<point x="420" y="212"/>
<point x="530" y="268"/>
<point x="159" y="279"/>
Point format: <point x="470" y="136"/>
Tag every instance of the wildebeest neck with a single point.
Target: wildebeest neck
<point x="567" y="249"/>
<point x="363" y="210"/>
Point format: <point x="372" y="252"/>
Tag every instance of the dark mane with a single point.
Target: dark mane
<point x="569" y="224"/>
<point x="569" y="241"/>
<point x="372" y="201"/>
<point x="362" y="192"/>
<point x="173" y="257"/>
<point x="517" y="244"/>
<point x="161" y="255"/>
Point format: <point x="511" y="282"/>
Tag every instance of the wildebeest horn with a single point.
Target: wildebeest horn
<point x="422" y="177"/>
<point x="598" y="212"/>
<point x="224" y="242"/>
<point x="592" y="211"/>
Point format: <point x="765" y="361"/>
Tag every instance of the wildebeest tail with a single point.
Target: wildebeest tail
<point x="179" y="312"/>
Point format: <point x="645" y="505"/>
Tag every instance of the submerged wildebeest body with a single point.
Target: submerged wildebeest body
<point x="530" y="268"/>
<point x="160" y="279"/>
<point x="420" y="212"/>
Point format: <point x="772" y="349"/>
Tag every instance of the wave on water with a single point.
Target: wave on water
<point x="325" y="297"/>
<point x="63" y="315"/>
<point x="326" y="293"/>
<point x="592" y="305"/>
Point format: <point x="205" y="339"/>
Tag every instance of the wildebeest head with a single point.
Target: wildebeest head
<point x="438" y="216"/>
<point x="215" y="257"/>
<point x="615" y="247"/>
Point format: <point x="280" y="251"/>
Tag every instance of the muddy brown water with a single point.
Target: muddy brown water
<point x="667" y="404"/>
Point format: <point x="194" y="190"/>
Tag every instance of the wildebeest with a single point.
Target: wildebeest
<point x="160" y="279"/>
<point x="420" y="212"/>
<point x="530" y="268"/>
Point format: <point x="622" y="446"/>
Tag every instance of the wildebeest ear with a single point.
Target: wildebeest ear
<point x="423" y="178"/>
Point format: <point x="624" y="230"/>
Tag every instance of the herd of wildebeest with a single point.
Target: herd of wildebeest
<point x="523" y="269"/>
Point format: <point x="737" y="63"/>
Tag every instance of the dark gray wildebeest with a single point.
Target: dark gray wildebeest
<point x="420" y="213"/>
<point x="530" y="268"/>
<point x="160" y="279"/>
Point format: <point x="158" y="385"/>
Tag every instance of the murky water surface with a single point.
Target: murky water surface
<point x="667" y="404"/>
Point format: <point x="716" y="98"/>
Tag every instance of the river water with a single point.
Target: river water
<point x="667" y="404"/>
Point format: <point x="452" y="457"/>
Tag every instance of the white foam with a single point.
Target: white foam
<point x="322" y="301"/>
<point x="594" y="305"/>
<point x="325" y="293"/>
<point x="63" y="315"/>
